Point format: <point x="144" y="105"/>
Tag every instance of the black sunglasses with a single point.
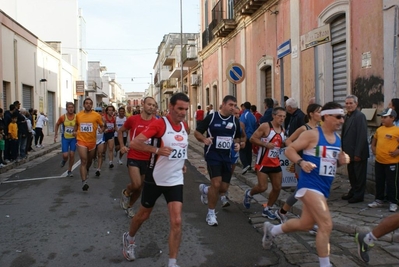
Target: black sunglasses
<point x="338" y="117"/>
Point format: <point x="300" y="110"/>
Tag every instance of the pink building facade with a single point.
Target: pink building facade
<point x="338" y="47"/>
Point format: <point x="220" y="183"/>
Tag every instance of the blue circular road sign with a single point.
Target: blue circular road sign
<point x="235" y="73"/>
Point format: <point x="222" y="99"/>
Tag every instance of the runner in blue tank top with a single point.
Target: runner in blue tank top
<point x="223" y="129"/>
<point x="321" y="156"/>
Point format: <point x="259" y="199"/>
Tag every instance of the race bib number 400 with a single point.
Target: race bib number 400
<point x="224" y="142"/>
<point x="328" y="167"/>
<point x="86" y="127"/>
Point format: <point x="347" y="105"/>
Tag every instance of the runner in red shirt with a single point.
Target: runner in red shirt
<point x="137" y="161"/>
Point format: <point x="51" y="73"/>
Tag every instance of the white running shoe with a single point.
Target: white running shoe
<point x="124" y="202"/>
<point x="128" y="248"/>
<point x="267" y="235"/>
<point x="282" y="217"/>
<point x="130" y="212"/>
<point x="211" y="219"/>
<point x="120" y="162"/>
<point x="314" y="230"/>
<point x="375" y="204"/>
<point x="204" y="197"/>
<point x="225" y="201"/>
<point x="393" y="207"/>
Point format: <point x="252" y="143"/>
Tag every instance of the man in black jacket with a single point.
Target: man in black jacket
<point x="354" y="143"/>
<point x="297" y="116"/>
<point x="22" y="133"/>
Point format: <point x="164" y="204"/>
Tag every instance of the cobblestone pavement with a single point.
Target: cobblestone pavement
<point x="299" y="248"/>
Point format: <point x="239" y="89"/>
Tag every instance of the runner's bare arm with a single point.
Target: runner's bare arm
<point x="262" y="131"/>
<point x="306" y="140"/>
<point x="138" y="143"/>
<point x="200" y="137"/>
<point x="123" y="148"/>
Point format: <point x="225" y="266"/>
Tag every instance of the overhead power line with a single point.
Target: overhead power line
<point x="119" y="49"/>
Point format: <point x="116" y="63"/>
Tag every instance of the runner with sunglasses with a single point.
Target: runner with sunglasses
<point x="321" y="156"/>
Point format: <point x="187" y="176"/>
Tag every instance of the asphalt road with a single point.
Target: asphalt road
<point x="47" y="220"/>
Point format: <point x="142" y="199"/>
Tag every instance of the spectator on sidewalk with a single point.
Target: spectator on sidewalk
<point x="22" y="134"/>
<point x="210" y="111"/>
<point x="199" y="115"/>
<point x="249" y="121"/>
<point x="355" y="144"/>
<point x="297" y="116"/>
<point x="2" y="146"/>
<point x="394" y="104"/>
<point x="41" y="120"/>
<point x="385" y="148"/>
<point x="267" y="116"/>
<point x="7" y="120"/>
<point x="29" y="116"/>
<point x="256" y="114"/>
<point x="13" y="136"/>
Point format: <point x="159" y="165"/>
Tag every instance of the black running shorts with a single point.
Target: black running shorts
<point x="141" y="164"/>
<point x="223" y="169"/>
<point x="151" y="192"/>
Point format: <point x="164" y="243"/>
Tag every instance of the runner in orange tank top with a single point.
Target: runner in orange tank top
<point x="87" y="122"/>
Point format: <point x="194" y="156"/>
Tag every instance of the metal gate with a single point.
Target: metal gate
<point x="50" y="111"/>
<point x="338" y="43"/>
<point x="26" y="96"/>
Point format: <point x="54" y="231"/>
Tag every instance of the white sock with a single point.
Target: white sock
<point x="324" y="262"/>
<point x="130" y="239"/>
<point x="369" y="239"/>
<point x="210" y="211"/>
<point x="172" y="262"/>
<point x="276" y="230"/>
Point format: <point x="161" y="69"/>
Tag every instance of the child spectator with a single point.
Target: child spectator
<point x="385" y="148"/>
<point x="13" y="136"/>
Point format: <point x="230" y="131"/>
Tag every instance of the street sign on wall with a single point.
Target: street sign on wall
<point x="235" y="73"/>
<point x="284" y="49"/>
<point x="316" y="37"/>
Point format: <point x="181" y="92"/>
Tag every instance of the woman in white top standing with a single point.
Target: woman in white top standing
<point x="41" y="120"/>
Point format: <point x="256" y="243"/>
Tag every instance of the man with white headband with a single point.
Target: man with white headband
<point x="321" y="156"/>
<point x="355" y="144"/>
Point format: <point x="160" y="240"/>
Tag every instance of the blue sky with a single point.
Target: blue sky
<point x="128" y="33"/>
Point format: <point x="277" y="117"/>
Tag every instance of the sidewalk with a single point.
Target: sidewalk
<point x="48" y="146"/>
<point x="347" y="218"/>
